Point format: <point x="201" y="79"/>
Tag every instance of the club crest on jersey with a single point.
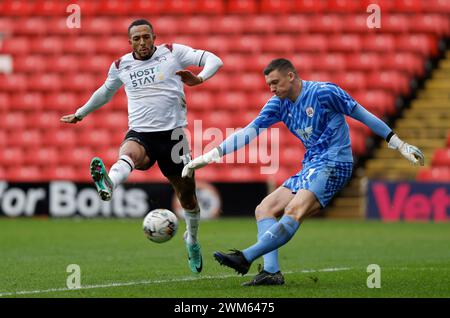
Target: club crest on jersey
<point x="309" y="111"/>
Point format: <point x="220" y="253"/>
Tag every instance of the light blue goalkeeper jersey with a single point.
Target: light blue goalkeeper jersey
<point x="317" y="118"/>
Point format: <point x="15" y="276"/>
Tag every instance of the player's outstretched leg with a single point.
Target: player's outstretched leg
<point x="101" y="179"/>
<point x="234" y="260"/>
<point x="266" y="278"/>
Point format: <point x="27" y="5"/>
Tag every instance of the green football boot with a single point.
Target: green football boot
<point x="101" y="179"/>
<point x="194" y="256"/>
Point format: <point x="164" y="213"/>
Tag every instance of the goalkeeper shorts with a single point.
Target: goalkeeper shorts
<point x="323" y="178"/>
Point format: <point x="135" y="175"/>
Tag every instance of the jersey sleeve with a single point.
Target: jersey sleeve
<point x="269" y="115"/>
<point x="186" y="55"/>
<point x="335" y="98"/>
<point x="113" y="82"/>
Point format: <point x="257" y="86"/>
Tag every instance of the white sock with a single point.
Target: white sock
<point x="120" y="171"/>
<point x="192" y="218"/>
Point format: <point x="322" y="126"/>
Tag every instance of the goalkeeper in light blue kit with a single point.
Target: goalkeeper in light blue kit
<point x="314" y="113"/>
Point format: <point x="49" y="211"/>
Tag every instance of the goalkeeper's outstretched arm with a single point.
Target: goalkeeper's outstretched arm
<point x="232" y="143"/>
<point x="410" y="152"/>
<point x="100" y="97"/>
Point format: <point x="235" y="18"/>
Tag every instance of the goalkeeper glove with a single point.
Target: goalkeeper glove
<point x="201" y="161"/>
<point x="410" y="152"/>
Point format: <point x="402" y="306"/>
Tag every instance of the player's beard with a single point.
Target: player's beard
<point x="145" y="54"/>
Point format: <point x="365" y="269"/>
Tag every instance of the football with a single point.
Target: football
<point x="160" y="225"/>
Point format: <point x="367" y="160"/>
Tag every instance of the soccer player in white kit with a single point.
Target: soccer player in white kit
<point x="153" y="77"/>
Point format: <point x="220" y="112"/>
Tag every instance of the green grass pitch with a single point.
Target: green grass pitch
<point x="326" y="258"/>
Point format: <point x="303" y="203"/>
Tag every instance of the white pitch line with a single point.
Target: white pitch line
<point x="162" y="281"/>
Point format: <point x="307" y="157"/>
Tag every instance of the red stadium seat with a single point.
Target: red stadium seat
<point x="280" y="44"/>
<point x="393" y="81"/>
<point x="93" y="137"/>
<point x="98" y="64"/>
<point x="181" y="7"/>
<point x="408" y="6"/>
<point x="200" y="100"/>
<point x="358" y="142"/>
<point x="25" y="138"/>
<point x="46" y="45"/>
<point x="59" y="137"/>
<point x="311" y="43"/>
<point x="81" y="45"/>
<point x="233" y="100"/>
<point x="31" y="26"/>
<point x="441" y="157"/>
<point x="241" y="6"/>
<point x="248" y="82"/>
<point x="385" y="5"/>
<point x="24" y="174"/>
<point x="166" y="25"/>
<point x="351" y="81"/>
<point x="58" y="172"/>
<point x="57" y="25"/>
<point x="333" y="62"/>
<point x="345" y="6"/>
<point x="276" y="6"/>
<point x="43" y="120"/>
<point x="15" y="120"/>
<point x="113" y="7"/>
<point x="292" y="24"/>
<point x="326" y="23"/>
<point x="41" y="156"/>
<point x="394" y="23"/>
<point x="210" y="7"/>
<point x="418" y="43"/>
<point x="18" y="46"/>
<point x="309" y="6"/>
<point x="364" y="61"/>
<point x="435" y="174"/>
<point x="195" y="25"/>
<point x="50" y="8"/>
<point x="228" y="25"/>
<point x="65" y="64"/>
<point x="218" y="119"/>
<point x="30" y="64"/>
<point x="6" y="25"/>
<point x="16" y="8"/>
<point x="406" y="62"/>
<point x="45" y="82"/>
<point x="5" y="101"/>
<point x="379" y="102"/>
<point x="80" y="82"/>
<point x="430" y="23"/>
<point x="98" y="26"/>
<point x="11" y="156"/>
<point x="77" y="156"/>
<point x="354" y="23"/>
<point x="260" y="24"/>
<point x="434" y="6"/>
<point x="13" y="82"/>
<point x="384" y="43"/>
<point x="61" y="102"/>
<point x="345" y="43"/>
<point x="27" y="101"/>
<point x="156" y="7"/>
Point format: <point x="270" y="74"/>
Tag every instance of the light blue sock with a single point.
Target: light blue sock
<point x="271" y="258"/>
<point x="277" y="235"/>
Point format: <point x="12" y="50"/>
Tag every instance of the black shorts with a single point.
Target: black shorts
<point x="169" y="148"/>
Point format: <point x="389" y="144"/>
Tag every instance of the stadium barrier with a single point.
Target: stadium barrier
<point x="135" y="200"/>
<point x="408" y="201"/>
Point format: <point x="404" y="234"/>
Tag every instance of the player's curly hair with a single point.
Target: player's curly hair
<point x="139" y="22"/>
<point x="282" y="65"/>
